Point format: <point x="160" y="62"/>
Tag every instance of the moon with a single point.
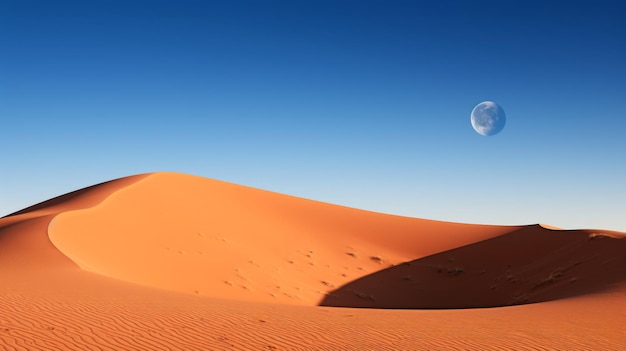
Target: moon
<point x="488" y="118"/>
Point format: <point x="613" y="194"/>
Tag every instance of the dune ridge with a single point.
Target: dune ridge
<point x="224" y="228"/>
<point x="169" y="261"/>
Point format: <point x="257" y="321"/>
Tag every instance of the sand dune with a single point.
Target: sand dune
<point x="167" y="261"/>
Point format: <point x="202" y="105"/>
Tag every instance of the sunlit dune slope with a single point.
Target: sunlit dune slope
<point x="207" y="237"/>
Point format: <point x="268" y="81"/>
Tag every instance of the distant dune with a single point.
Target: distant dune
<point x="167" y="261"/>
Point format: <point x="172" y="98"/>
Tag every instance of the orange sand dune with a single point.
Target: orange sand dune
<point x="167" y="261"/>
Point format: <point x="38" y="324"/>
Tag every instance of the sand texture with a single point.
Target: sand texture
<point x="168" y="261"/>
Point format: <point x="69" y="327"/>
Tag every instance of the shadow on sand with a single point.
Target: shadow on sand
<point x="528" y="265"/>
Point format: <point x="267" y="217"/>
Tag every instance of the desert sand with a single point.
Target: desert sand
<point x="167" y="261"/>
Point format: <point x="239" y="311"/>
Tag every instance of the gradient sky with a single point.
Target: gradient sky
<point x="359" y="103"/>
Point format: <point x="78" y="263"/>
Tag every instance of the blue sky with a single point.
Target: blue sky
<point x="359" y="103"/>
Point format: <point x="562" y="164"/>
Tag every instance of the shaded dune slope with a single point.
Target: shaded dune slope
<point x="206" y="237"/>
<point x="528" y="265"/>
<point x="24" y="241"/>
